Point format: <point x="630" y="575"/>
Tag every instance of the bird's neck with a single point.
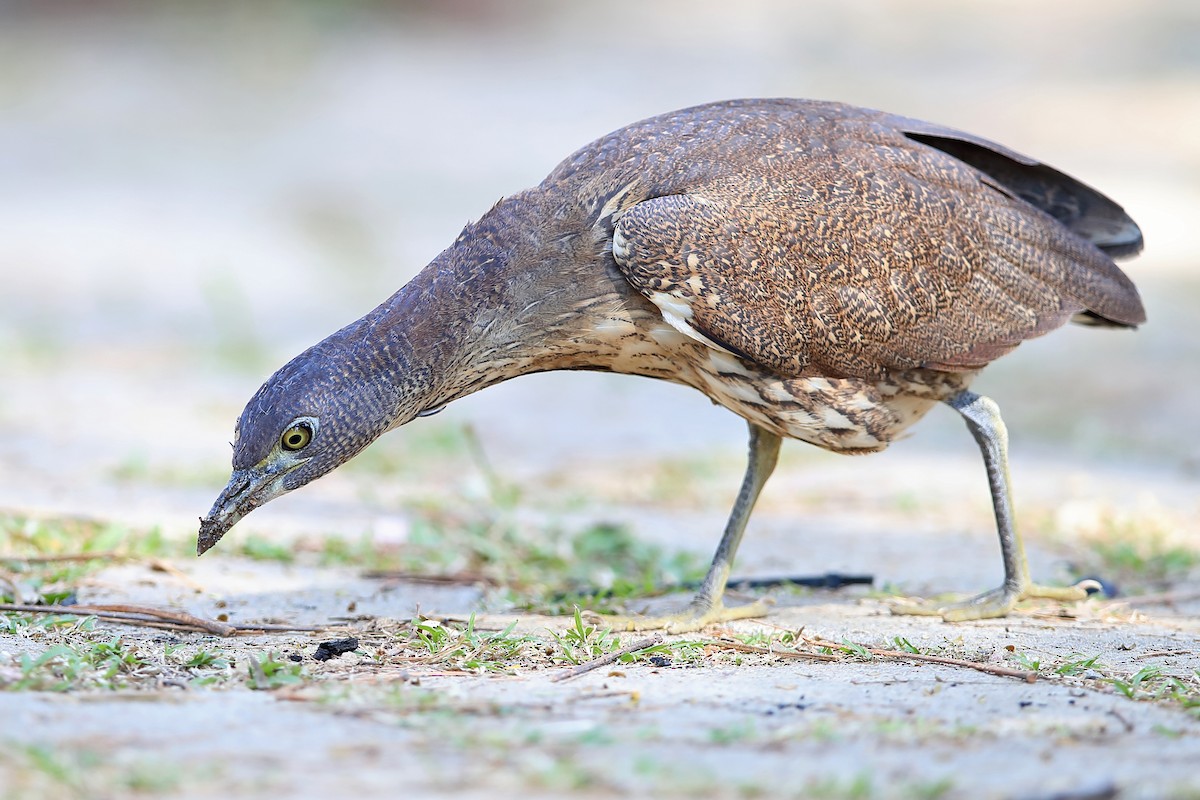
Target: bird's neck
<point x="515" y="294"/>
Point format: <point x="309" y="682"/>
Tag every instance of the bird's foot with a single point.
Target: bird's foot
<point x="996" y="603"/>
<point x="693" y="618"/>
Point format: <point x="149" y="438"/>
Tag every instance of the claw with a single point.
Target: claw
<point x="996" y="603"/>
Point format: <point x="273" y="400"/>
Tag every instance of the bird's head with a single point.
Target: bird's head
<point x="311" y="416"/>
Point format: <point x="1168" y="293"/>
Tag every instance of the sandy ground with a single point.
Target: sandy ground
<point x="188" y="200"/>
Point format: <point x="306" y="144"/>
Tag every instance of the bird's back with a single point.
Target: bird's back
<point x="822" y="239"/>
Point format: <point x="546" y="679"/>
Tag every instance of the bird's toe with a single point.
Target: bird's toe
<point x="996" y="603"/>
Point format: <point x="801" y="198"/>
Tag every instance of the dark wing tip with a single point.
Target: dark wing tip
<point x="1084" y="211"/>
<point x="1107" y="296"/>
<point x="1121" y="241"/>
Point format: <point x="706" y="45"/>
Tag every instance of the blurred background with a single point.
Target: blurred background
<point x="191" y="193"/>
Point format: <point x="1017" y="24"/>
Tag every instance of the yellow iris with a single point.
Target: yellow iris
<point x="296" y="437"/>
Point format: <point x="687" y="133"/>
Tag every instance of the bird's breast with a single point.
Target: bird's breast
<point x="850" y="415"/>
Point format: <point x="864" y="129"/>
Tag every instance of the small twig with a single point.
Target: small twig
<point x="162" y="625"/>
<point x="252" y="627"/>
<point x="128" y="613"/>
<point x="606" y="694"/>
<point x="1126" y="724"/>
<point x="830" y="580"/>
<point x="749" y="648"/>
<point x="1158" y="653"/>
<point x="595" y="663"/>
<point x="455" y="578"/>
<point x="107" y="555"/>
<point x="1006" y="672"/>
<point x="735" y="586"/>
<point x="154" y="618"/>
<point x="181" y="617"/>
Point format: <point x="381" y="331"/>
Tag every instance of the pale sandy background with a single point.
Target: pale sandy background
<point x="192" y="193"/>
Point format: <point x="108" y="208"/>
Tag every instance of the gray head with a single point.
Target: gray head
<point x="403" y="359"/>
<point x="314" y="414"/>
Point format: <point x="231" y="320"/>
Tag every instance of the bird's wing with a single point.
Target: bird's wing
<point x="1083" y="210"/>
<point x="863" y="257"/>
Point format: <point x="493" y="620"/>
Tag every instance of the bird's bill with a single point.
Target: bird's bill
<point x="247" y="490"/>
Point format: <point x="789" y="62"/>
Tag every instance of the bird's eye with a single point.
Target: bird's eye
<point x="296" y="437"/>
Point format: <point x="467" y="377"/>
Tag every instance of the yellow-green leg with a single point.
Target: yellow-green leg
<point x="707" y="607"/>
<point x="983" y="419"/>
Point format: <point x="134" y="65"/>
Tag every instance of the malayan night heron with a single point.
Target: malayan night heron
<point x="827" y="273"/>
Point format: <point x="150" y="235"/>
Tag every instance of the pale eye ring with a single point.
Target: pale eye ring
<point x="296" y="437"/>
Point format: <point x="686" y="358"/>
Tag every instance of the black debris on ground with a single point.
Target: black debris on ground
<point x="334" y="648"/>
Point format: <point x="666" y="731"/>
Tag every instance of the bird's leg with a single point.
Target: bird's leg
<point x="983" y="418"/>
<point x="707" y="607"/>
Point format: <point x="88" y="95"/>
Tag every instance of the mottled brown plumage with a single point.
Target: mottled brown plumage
<point x="826" y="272"/>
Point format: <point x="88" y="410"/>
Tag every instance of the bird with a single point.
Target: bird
<point x="827" y="272"/>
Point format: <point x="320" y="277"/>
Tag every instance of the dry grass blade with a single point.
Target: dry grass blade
<point x="162" y="565"/>
<point x="991" y="669"/>
<point x="749" y="648"/>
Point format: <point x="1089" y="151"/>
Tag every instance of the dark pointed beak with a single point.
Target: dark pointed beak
<point x="247" y="490"/>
